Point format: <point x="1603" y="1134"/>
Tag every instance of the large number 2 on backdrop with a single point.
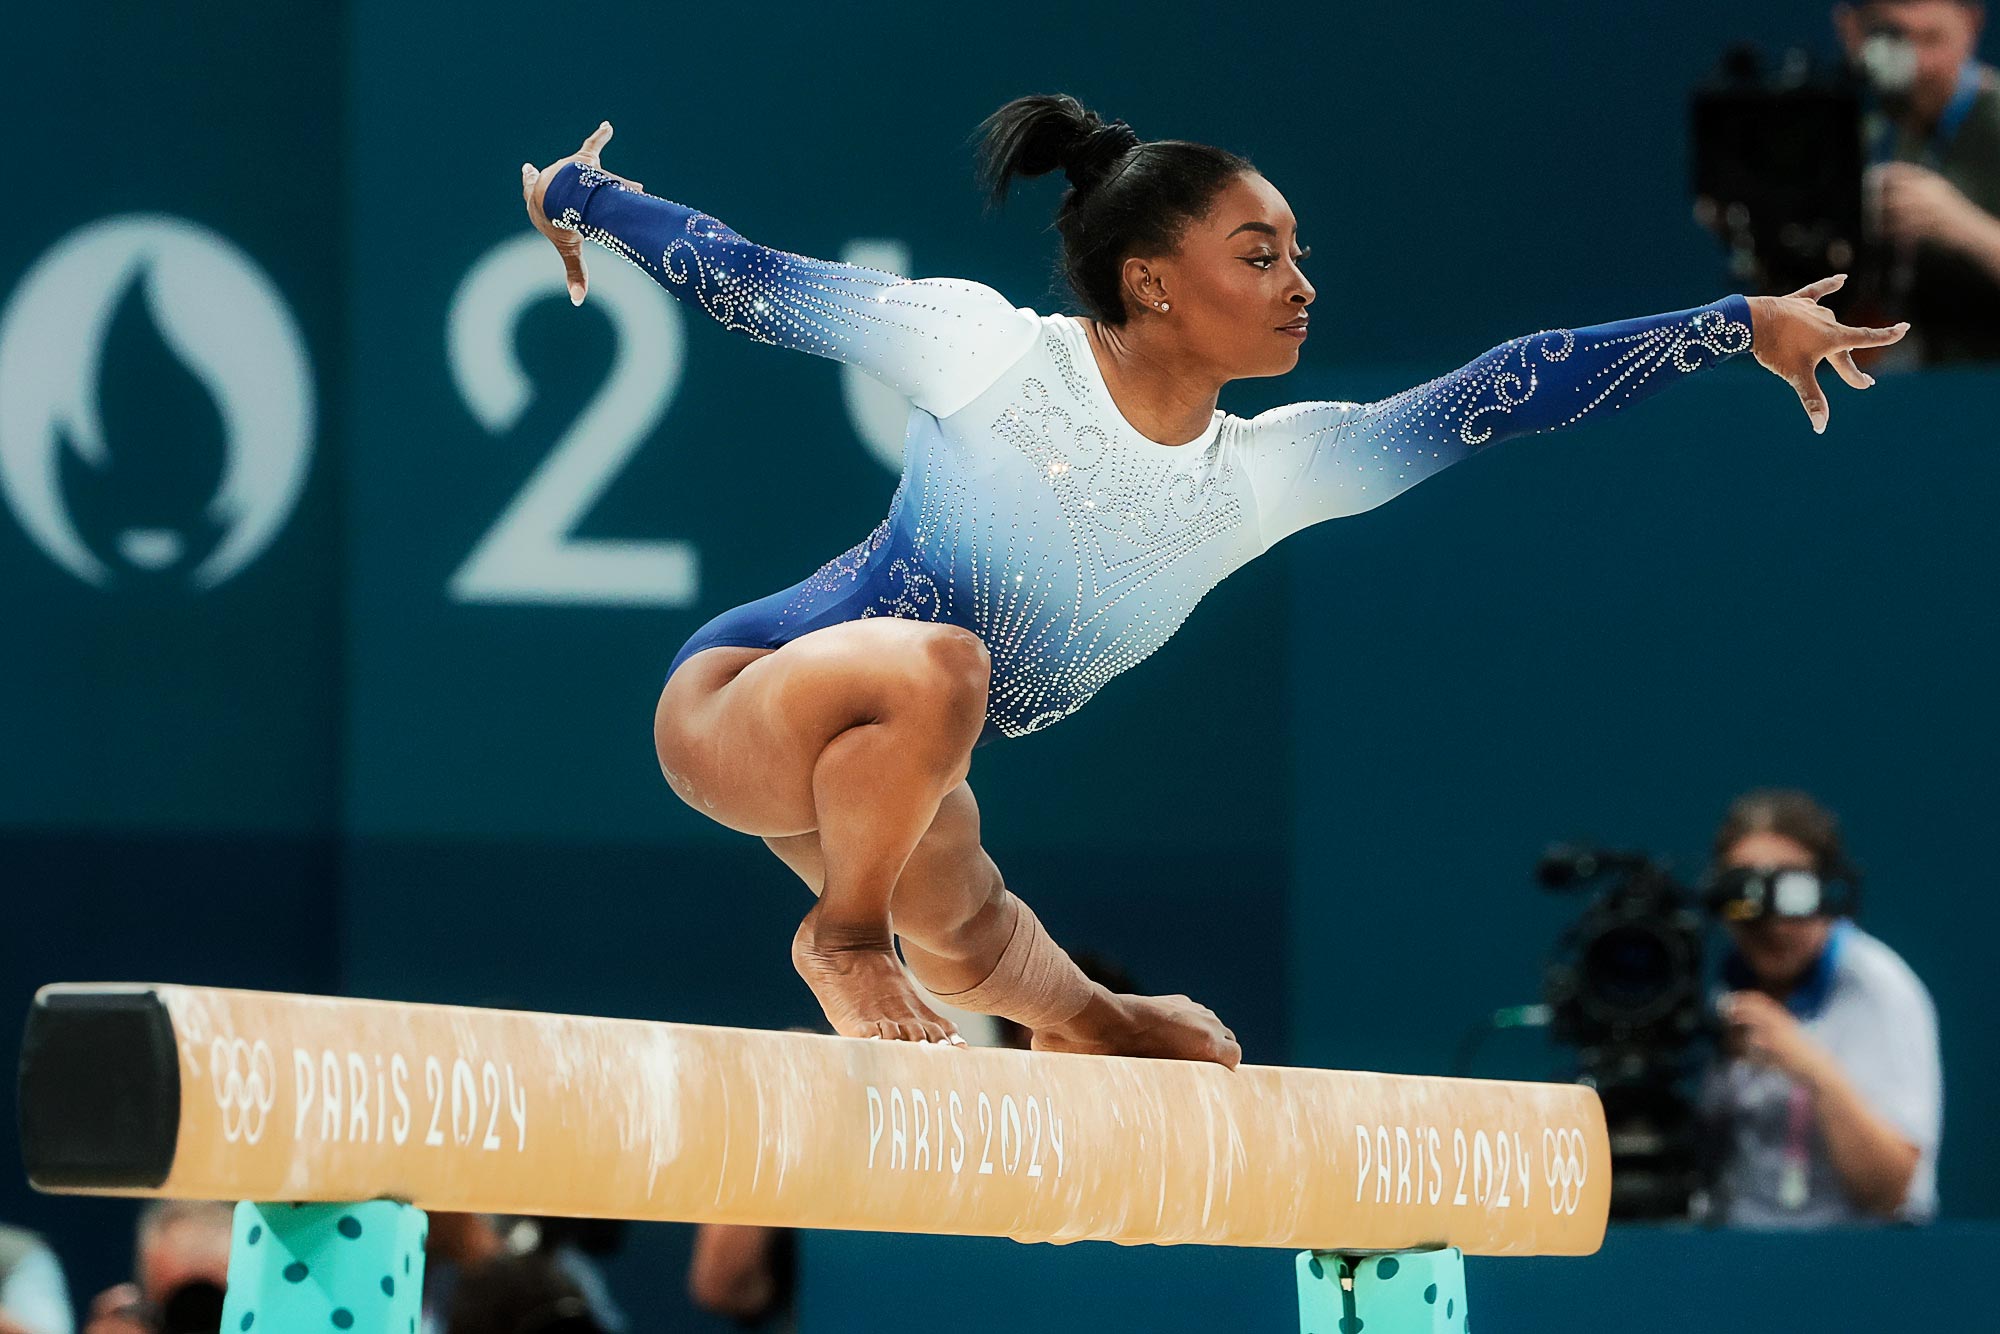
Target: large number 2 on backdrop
<point x="531" y="553"/>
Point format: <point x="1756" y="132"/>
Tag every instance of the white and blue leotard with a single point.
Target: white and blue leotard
<point x="1030" y="512"/>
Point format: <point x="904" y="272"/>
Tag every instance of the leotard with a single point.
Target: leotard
<point x="1030" y="512"/>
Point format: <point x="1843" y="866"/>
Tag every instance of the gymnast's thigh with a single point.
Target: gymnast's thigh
<point x="738" y="730"/>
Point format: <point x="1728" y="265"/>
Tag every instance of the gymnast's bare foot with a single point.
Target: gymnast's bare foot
<point x="863" y="989"/>
<point x="1173" y="1028"/>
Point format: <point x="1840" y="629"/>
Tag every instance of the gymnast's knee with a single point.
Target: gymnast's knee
<point x="952" y="673"/>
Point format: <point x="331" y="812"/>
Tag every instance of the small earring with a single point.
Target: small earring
<point x="1163" y="305"/>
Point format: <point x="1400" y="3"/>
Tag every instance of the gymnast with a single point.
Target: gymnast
<point x="1070" y="490"/>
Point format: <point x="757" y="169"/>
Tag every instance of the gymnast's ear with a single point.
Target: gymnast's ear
<point x="1144" y="285"/>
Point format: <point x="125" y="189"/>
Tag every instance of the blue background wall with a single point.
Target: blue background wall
<point x="1317" y="810"/>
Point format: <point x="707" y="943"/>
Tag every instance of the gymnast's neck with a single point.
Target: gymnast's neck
<point x="1163" y="391"/>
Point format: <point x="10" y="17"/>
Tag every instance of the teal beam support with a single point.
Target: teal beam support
<point x="1408" y="1292"/>
<point x="326" y="1269"/>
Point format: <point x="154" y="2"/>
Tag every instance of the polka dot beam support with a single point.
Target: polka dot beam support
<point x="332" y="1268"/>
<point x="1409" y="1292"/>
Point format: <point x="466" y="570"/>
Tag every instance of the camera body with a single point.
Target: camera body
<point x="1627" y="990"/>
<point x="1778" y="157"/>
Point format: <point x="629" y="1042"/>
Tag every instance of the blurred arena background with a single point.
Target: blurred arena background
<point x="326" y="677"/>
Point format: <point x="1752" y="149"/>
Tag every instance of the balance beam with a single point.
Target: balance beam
<point x="192" y="1092"/>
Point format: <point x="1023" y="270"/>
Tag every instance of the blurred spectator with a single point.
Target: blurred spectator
<point x="575" y="1245"/>
<point x="1827" y="1107"/>
<point x="180" y="1265"/>
<point x="457" y="1244"/>
<point x="34" y="1299"/>
<point x="518" y="1293"/>
<point x="1934" y="190"/>
<point x="748" y="1274"/>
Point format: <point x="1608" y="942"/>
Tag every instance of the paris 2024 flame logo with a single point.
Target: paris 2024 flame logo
<point x="226" y="326"/>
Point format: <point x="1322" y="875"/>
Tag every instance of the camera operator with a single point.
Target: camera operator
<point x="1933" y="186"/>
<point x="180" y="1267"/>
<point x="1886" y="166"/>
<point x="1826" y="1108"/>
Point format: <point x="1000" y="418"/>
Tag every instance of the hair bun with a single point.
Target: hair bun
<point x="1093" y="155"/>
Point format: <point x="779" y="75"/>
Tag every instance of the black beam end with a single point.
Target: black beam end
<point x="100" y="1091"/>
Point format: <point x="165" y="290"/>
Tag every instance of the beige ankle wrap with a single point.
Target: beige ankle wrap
<point x="1034" y="983"/>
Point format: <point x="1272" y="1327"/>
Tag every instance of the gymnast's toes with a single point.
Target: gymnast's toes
<point x="865" y="992"/>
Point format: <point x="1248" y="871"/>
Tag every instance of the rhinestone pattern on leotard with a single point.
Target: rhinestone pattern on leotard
<point x="1335" y="459"/>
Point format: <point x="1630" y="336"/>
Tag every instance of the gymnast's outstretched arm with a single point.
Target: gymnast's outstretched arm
<point x="937" y="341"/>
<point x="1314" y="461"/>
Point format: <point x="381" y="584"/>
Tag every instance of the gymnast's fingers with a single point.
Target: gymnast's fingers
<point x="576" y="274"/>
<point x="1806" y="384"/>
<point x="1823" y="288"/>
<point x="1843" y="362"/>
<point x="1851" y="337"/>
<point x="594" y="145"/>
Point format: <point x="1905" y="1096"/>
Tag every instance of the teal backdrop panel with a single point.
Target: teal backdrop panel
<point x="170" y="356"/>
<point x="1604" y="636"/>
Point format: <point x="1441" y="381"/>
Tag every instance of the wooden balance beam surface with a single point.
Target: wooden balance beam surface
<point x="130" y="1089"/>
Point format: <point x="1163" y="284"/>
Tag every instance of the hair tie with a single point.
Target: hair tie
<point x="1096" y="151"/>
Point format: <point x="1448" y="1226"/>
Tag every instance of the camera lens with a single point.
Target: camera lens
<point x="1629" y="971"/>
<point x="194" y="1307"/>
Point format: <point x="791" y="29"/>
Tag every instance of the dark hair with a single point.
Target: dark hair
<point x="1127" y="196"/>
<point x="1793" y="814"/>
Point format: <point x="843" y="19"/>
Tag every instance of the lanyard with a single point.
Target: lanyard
<point x="1793" y="1178"/>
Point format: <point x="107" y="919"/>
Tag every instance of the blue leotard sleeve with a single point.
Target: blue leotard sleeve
<point x="937" y="341"/>
<point x="1314" y="461"/>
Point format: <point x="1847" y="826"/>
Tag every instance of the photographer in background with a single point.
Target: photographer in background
<point x="1932" y="191"/>
<point x="1885" y="167"/>
<point x="1826" y="1107"/>
<point x="179" y="1269"/>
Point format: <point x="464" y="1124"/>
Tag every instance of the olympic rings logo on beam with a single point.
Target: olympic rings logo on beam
<point x="246" y="1086"/>
<point x="1565" y="1167"/>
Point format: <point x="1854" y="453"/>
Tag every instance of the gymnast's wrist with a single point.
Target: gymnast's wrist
<point x="566" y="200"/>
<point x="1742" y="310"/>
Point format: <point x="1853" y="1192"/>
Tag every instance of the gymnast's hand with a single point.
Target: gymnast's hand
<point x="568" y="244"/>
<point x="1791" y="335"/>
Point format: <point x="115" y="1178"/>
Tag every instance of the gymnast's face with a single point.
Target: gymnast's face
<point x="1235" y="282"/>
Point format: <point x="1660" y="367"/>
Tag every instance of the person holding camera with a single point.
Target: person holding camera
<point x="1827" y="1105"/>
<point x="1933" y="186"/>
<point x="179" y="1270"/>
